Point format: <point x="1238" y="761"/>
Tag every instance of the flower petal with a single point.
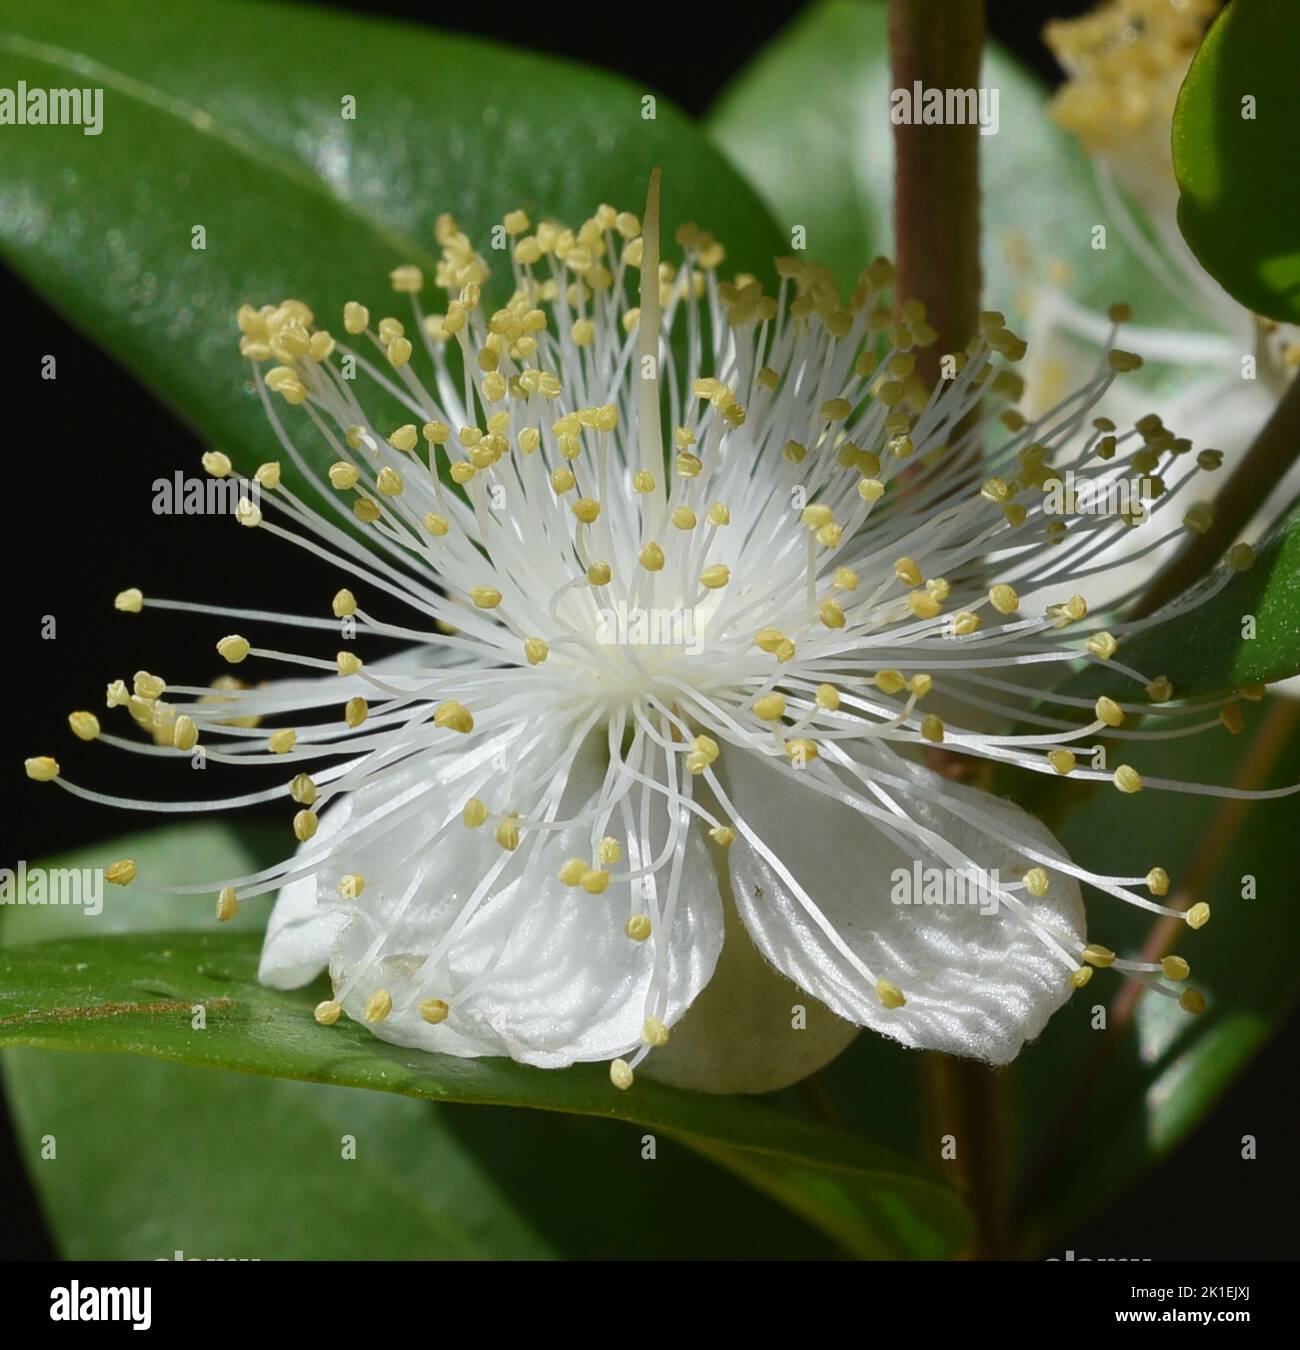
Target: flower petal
<point x="977" y="984"/>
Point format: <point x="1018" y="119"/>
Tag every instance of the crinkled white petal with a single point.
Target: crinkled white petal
<point x="978" y="985"/>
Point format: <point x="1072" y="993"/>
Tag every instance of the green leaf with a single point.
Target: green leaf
<point x="809" y="124"/>
<point x="1204" y="652"/>
<point x="1166" y="1069"/>
<point x="1234" y="131"/>
<point x="229" y="116"/>
<point x="135" y="991"/>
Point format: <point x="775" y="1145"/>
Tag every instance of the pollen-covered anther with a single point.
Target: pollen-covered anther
<point x="714" y="578"/>
<point x="121" y="873"/>
<point x="1037" y="881"/>
<point x="303" y="790"/>
<point x="344" y="604"/>
<point x="378" y="1005"/>
<point x="1192" y="1001"/>
<point x="282" y="741"/>
<point x="621" y="1075"/>
<point x="1157" y="880"/>
<point x="148" y="686"/>
<point x="595" y="881"/>
<point x="1080" y="976"/>
<point x="129" y="601"/>
<point x="1109" y="712"/>
<point x="1102" y="645"/>
<point x="434" y="1010"/>
<point x="802" y="751"/>
<point x="351" y="885"/>
<point x="1097" y="955"/>
<point x="327" y="1012"/>
<point x="305" y="825"/>
<point x="185" y="735"/>
<point x="831" y="614"/>
<point x="1198" y="916"/>
<point x="1175" y="968"/>
<point x="1004" y="599"/>
<point x="1127" y="779"/>
<point x="639" y="927"/>
<point x="703" y="753"/>
<point x="771" y="707"/>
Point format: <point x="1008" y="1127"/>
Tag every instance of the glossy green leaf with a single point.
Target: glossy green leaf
<point x="1234" y="139"/>
<point x="1208" y="651"/>
<point x="229" y="117"/>
<point x="809" y="124"/>
<point x="1158" y="1078"/>
<point x="135" y="991"/>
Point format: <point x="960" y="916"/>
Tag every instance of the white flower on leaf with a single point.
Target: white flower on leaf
<point x="518" y="837"/>
<point x="1219" y="378"/>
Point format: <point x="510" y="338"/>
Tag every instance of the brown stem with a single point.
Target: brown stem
<point x="938" y="44"/>
<point x="936" y="174"/>
<point x="1274" y="451"/>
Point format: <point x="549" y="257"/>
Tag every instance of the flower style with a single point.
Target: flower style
<point x="527" y="832"/>
<point x="1125" y="62"/>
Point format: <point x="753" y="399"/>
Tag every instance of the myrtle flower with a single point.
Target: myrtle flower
<point x="1125" y="62"/>
<point x="528" y="833"/>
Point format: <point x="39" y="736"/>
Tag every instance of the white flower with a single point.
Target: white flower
<point x="520" y="837"/>
<point x="1126" y="61"/>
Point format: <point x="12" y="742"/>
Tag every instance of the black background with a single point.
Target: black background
<point x="71" y="542"/>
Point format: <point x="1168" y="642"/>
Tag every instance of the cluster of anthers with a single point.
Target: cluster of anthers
<point x="534" y="830"/>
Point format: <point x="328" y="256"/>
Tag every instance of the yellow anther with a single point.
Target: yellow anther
<point x="1199" y="518"/>
<point x="1081" y="976"/>
<point x="609" y="851"/>
<point x="379" y="1005"/>
<point x="639" y="927"/>
<point x="485" y="597"/>
<point x="247" y="514"/>
<point x="1121" y="361"/>
<point x="932" y="728"/>
<point x="185" y="735"/>
<point x="828" y="697"/>
<point x="600" y="573"/>
<point x="217" y="464"/>
<point x="327" y="1012"/>
<point x="508" y="834"/>
<point x="85" y="725"/>
<point x="587" y="509"/>
<point x="1109" y="712"/>
<point x="355" y="712"/>
<point x="964" y="623"/>
<point x="715" y="577"/>
<point x="406" y="279"/>
<point x="771" y="707"/>
<point x="723" y="835"/>
<point x="1241" y="557"/>
<point x="1037" y="881"/>
<point x="356" y="318"/>
<point x="303" y="790"/>
<point x="268" y="475"/>
<point x="1097" y="955"/>
<point x="890" y="995"/>
<point x="305" y="824"/>
<point x="1198" y="916"/>
<point x="1063" y="761"/>
<point x="343" y="604"/>
<point x="1160" y="690"/>
<point x="651" y="557"/>
<point x="1103" y="645"/>
<point x="1004" y="599"/>
<point x="920" y="684"/>
<point x="227" y="904"/>
<point x="536" y="650"/>
<point x="1158" y="881"/>
<point x="621" y="1075"/>
<point x="719" y="514"/>
<point x="121" y="873"/>
<point x="769" y="639"/>
<point x="688" y="465"/>
<point x="923" y="604"/>
<point x="595" y="881"/>
<point x="654" y="1032"/>
<point x="870" y="489"/>
<point x="349" y="663"/>
<point x="454" y="716"/>
<point x="817" y="515"/>
<point x="643" y="481"/>
<point x="351" y="885"/>
<point x="148" y="686"/>
<point x="399" y="351"/>
<point x="1192" y="1001"/>
<point x="344" y="476"/>
<point x="475" y="812"/>
<point x="573" y="871"/>
<point x="831" y="614"/>
<point x="1127" y="778"/>
<point x="130" y="601"/>
<point x="434" y="1010"/>
<point x="282" y="741"/>
<point x="390" y="482"/>
<point x="846" y="579"/>
<point x="801" y="750"/>
<point x="405" y="437"/>
<point x="704" y="752"/>
<point x="1175" y="968"/>
<point x="890" y="681"/>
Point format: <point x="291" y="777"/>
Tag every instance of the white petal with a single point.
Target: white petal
<point x="533" y="969"/>
<point x="977" y="984"/>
